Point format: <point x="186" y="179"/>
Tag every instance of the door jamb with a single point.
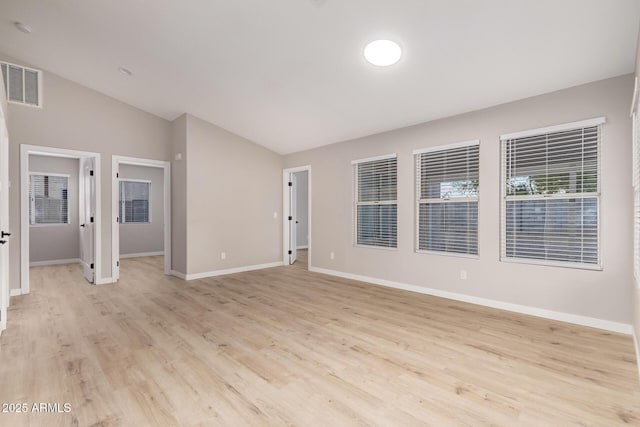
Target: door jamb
<point x="116" y="161"/>
<point x="25" y="151"/>
<point x="285" y="212"/>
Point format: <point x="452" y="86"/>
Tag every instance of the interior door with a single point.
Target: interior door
<point x="86" y="215"/>
<point x="4" y="219"/>
<point x="292" y="219"/>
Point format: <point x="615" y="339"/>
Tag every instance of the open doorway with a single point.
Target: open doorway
<point x="297" y="217"/>
<point x="59" y="210"/>
<point x="142" y="213"/>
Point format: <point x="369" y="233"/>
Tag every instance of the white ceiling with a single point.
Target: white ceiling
<point x="289" y="74"/>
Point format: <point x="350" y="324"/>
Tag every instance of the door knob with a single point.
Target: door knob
<point x="83" y="225"/>
<point x="4" y="234"/>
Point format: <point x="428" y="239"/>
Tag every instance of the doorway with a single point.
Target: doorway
<point x="61" y="207"/>
<point x="4" y="217"/>
<point x="141" y="211"/>
<point x="297" y="217"/>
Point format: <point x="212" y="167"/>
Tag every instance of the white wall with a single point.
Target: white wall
<point x="302" y="208"/>
<point x="78" y="118"/>
<point x="56" y="242"/>
<point x="233" y="188"/>
<point x="598" y="294"/>
<point x="145" y="238"/>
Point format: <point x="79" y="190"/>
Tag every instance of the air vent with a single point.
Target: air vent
<point x="23" y="85"/>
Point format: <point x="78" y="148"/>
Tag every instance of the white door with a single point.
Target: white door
<point x="292" y="218"/>
<point x="87" y="217"/>
<point x="4" y="220"/>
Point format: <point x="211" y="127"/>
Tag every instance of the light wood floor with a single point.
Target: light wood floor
<point x="287" y="347"/>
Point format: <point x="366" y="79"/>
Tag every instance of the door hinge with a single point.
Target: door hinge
<point x="117" y="263"/>
<point x="290" y="184"/>
<point x="290" y="252"/>
<point x="91" y="219"/>
<point x="117" y="175"/>
<point x="290" y="218"/>
<point x="92" y="266"/>
<point x="90" y="173"/>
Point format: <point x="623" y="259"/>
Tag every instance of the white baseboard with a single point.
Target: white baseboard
<point x="141" y="254"/>
<point x="15" y="292"/>
<point x="195" y="276"/>
<point x="54" y="262"/>
<point x="104" y="281"/>
<point x="179" y="275"/>
<point x="635" y="343"/>
<point x="607" y="325"/>
<point x="302" y="247"/>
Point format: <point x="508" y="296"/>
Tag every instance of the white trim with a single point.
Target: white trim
<point x="449" y="254"/>
<point x="63" y="175"/>
<point x="302" y="247"/>
<point x="635" y="97"/>
<point x="637" y="347"/>
<point x="179" y="274"/>
<point x="27" y="150"/>
<point x="592" y="322"/>
<point x="462" y="144"/>
<point x="15" y="292"/>
<point x="224" y="272"/>
<point x="54" y="262"/>
<point x="141" y="254"/>
<point x="373" y="159"/>
<point x="105" y="281"/>
<point x="557" y="128"/>
<point x="115" y="207"/>
<point x="285" y="212"/>
<point x="546" y="263"/>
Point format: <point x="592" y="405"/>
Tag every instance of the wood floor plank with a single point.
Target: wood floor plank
<point x="284" y="346"/>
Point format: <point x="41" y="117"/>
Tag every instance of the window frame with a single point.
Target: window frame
<point x="32" y="200"/>
<point x="418" y="200"/>
<point x="594" y="122"/>
<point x="120" y="210"/>
<point x="40" y="85"/>
<point x="355" y="203"/>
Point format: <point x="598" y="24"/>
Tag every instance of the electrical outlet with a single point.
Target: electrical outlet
<point x="223" y="255"/>
<point x="463" y="274"/>
<point x="275" y="215"/>
<point x="332" y="255"/>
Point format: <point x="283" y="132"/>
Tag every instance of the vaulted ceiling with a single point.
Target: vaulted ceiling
<point x="290" y="74"/>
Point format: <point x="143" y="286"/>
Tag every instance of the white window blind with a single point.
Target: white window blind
<point x="551" y="196"/>
<point x="134" y="201"/>
<point x="376" y="205"/>
<point x="21" y="84"/>
<point x="447" y="187"/>
<point x="49" y="201"/>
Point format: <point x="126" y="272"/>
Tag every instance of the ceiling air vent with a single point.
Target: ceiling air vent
<point x="23" y="85"/>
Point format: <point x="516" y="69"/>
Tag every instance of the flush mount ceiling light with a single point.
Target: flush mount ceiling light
<point x="22" y="27"/>
<point x="382" y="53"/>
<point x="125" y="71"/>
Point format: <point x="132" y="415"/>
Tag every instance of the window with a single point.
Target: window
<point x="23" y="85"/>
<point x="376" y="205"/>
<point x="49" y="199"/>
<point x="551" y="195"/>
<point x="134" y="201"/>
<point x="447" y="189"/>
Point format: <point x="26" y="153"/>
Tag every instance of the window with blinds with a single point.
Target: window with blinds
<point x="134" y="202"/>
<point x="447" y="190"/>
<point x="22" y="85"/>
<point x="49" y="199"/>
<point x="551" y="195"/>
<point x="376" y="204"/>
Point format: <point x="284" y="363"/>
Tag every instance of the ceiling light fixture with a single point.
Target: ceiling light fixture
<point x="22" y="27"/>
<point x="125" y="71"/>
<point x="382" y="53"/>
